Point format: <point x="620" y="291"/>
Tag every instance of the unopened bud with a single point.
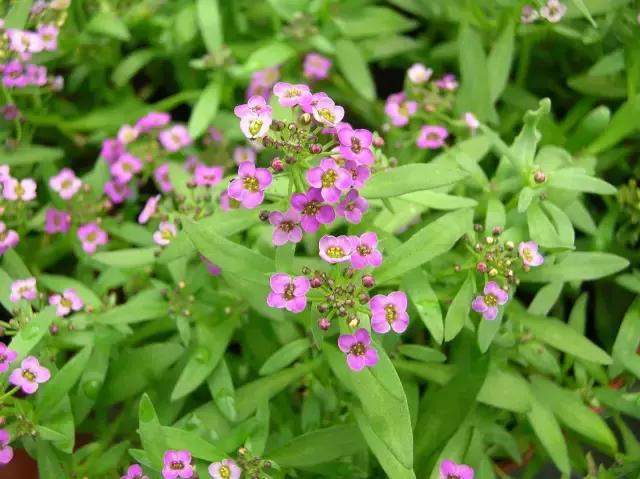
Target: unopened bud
<point x="457" y="268"/>
<point x="378" y="141"/>
<point x="539" y="177"/>
<point x="54" y="329"/>
<point x="493" y="272"/>
<point x="477" y="227"/>
<point x="363" y="298"/>
<point x="305" y="118"/>
<point x="497" y="231"/>
<point x="315" y="149"/>
<point x="277" y="165"/>
<point x="264" y="216"/>
<point x="290" y="159"/>
<point x="324" y="324"/>
<point x="481" y="267"/>
<point x="489" y="240"/>
<point x="509" y="245"/>
<point x="353" y="321"/>
<point x="368" y="281"/>
<point x="323" y="308"/>
<point x="316" y="282"/>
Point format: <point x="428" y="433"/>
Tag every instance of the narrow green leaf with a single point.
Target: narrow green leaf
<point x="580" y="5"/>
<point x="284" y="356"/>
<point x="29" y="155"/>
<point x="210" y="22"/>
<point x="499" y="61"/>
<point x="577" y="266"/>
<point x="458" y="311"/>
<point x="474" y="94"/>
<point x="548" y="430"/>
<point x="151" y="435"/>
<point x="205" y="108"/>
<point x="110" y="25"/>
<point x="18" y="14"/>
<point x="422" y="353"/>
<point x="623" y="123"/>
<point x="179" y="439"/>
<point x="575" y="179"/>
<point x="30" y="335"/>
<point x="421" y="294"/>
<point x="409" y="178"/>
<point x="130" y="65"/>
<point x="354" y="68"/>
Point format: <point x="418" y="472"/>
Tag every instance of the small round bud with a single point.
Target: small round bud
<point x="477" y="247"/>
<point x="348" y="273"/>
<point x="267" y="141"/>
<point x="509" y="245"/>
<point x="264" y="216"/>
<point x="368" y="281"/>
<point x="242" y="451"/>
<point x="497" y="231"/>
<point x="191" y="184"/>
<point x="489" y="240"/>
<point x="493" y="272"/>
<point x="290" y="159"/>
<point x="277" y="125"/>
<point x="342" y="311"/>
<point x="457" y="268"/>
<point x="316" y="282"/>
<point x="315" y="149"/>
<point x="393" y="161"/>
<point x="353" y="321"/>
<point x="182" y="284"/>
<point x="539" y="177"/>
<point x="292" y="127"/>
<point x="363" y="298"/>
<point x="305" y="118"/>
<point x="481" y="267"/>
<point x="306" y="270"/>
<point x="323" y="308"/>
<point x="277" y="165"/>
<point x="477" y="227"/>
<point x="324" y="324"/>
<point x="351" y="288"/>
<point x="378" y="141"/>
<point x="54" y="329"/>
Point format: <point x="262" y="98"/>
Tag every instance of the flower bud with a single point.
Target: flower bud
<point x="305" y="118"/>
<point x="489" y="240"/>
<point x="539" y="177"/>
<point x="378" y="141"/>
<point x="290" y="159"/>
<point x="477" y="227"/>
<point x="481" y="267"/>
<point x="316" y="282"/>
<point x="368" y="281"/>
<point x="324" y="324"/>
<point x="497" y="231"/>
<point x="277" y="165"/>
<point x="363" y="298"/>
<point x="457" y="268"/>
<point x="315" y="149"/>
<point x="493" y="272"/>
<point x="353" y="321"/>
<point x="277" y="125"/>
<point x="264" y="216"/>
<point x="54" y="329"/>
<point x="348" y="273"/>
<point x="323" y="308"/>
<point x="510" y="245"/>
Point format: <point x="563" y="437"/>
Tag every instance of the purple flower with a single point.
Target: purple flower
<point x="327" y="112"/>
<point x="365" y="251"/>
<point x="336" y="249"/>
<point x="330" y="178"/>
<point x="316" y="66"/>
<point x="243" y="153"/>
<point x="553" y="11"/>
<point x="135" y="472"/>
<point x="8" y="238"/>
<point x="174" y="138"/>
<point x="19" y="190"/>
<point x="359" y="173"/>
<point x="91" y="236"/>
<point x="529" y="14"/>
<point x="208" y="175"/>
<point x="7" y="356"/>
<point x="488" y="303"/>
<point x="355" y="144"/>
<point x="111" y="150"/>
<point x="309" y="102"/>
<point x="152" y="120"/>
<point x="255" y="125"/>
<point x="177" y="464"/>
<point x="117" y="192"/>
<point x="360" y="353"/>
<point x="66" y="302"/>
<point x="288" y="292"/>
<point x="286" y="227"/>
<point x="432" y="137"/>
<point x="56" y="221"/>
<point x="471" y="121"/>
<point x="165" y="233"/>
<point x="225" y="469"/>
<point x="451" y="470"/>
<point x="127" y="134"/>
<point x="161" y="175"/>
<point x="261" y="82"/>
<point x="65" y="183"/>
<point x="125" y="167"/>
<point x="313" y="209"/>
<point x="212" y="268"/>
<point x="529" y="253"/>
<point x="290" y="95"/>
<point x="29" y="375"/>
<point x="256" y="105"/>
<point x="6" y="452"/>
<point x="249" y="187"/>
<point x="23" y="289"/>
<point x="149" y="209"/>
<point x="21" y="41"/>
<point x="389" y="312"/>
<point x="399" y="110"/>
<point x="352" y="207"/>
<point x="447" y="82"/>
<point x="191" y="163"/>
<point x="419" y="74"/>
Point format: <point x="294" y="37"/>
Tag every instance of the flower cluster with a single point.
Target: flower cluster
<point x="344" y="295"/>
<point x="17" y="201"/>
<point x="178" y="465"/>
<point x="553" y="12"/>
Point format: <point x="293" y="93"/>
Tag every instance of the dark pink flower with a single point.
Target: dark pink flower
<point x="286" y="227"/>
<point x="432" y="137"/>
<point x="117" y="192"/>
<point x="208" y="175"/>
<point x="125" y="167"/>
<point x="177" y="464"/>
<point x="310" y="101"/>
<point x="529" y="253"/>
<point x="152" y="120"/>
<point x="149" y="209"/>
<point x="6" y="451"/>
<point x="359" y="173"/>
<point x="29" y="375"/>
<point x="336" y="249"/>
<point x="111" y="150"/>
<point x="191" y="163"/>
<point x="330" y="178"/>
<point x="8" y="238"/>
<point x="161" y="175"/>
<point x="174" y="138"/>
<point x="447" y="82"/>
<point x="316" y="66"/>
<point x="360" y="353"/>
<point x="249" y="187"/>
<point x="66" y="302"/>
<point x="7" y="356"/>
<point x="135" y="472"/>
<point x="212" y="268"/>
<point x="389" y="312"/>
<point x="313" y="209"/>
<point x="56" y="221"/>
<point x="227" y="203"/>
<point x="488" y="303"/>
<point x="352" y="207"/>
<point x="23" y="289"/>
<point x="356" y="144"/>
<point x="288" y="292"/>
<point x="451" y="470"/>
<point x="91" y="236"/>
<point x="365" y="251"/>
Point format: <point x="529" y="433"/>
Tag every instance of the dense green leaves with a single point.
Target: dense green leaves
<point x="577" y="266"/>
<point x="354" y="67"/>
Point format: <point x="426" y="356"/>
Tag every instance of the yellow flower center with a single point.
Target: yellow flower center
<point x="255" y="126"/>
<point x="335" y="252"/>
<point x="490" y="300"/>
<point x="251" y="183"/>
<point x="28" y="375"/>
<point x="390" y="313"/>
<point x="327" y="115"/>
<point x="329" y="178"/>
<point x="225" y="472"/>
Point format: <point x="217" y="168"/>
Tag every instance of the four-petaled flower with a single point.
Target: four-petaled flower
<point x="207" y="175"/>
<point x="175" y="138"/>
<point x="125" y="167"/>
<point x="529" y="14"/>
<point x="7" y="356"/>
<point x="399" y="110"/>
<point x="288" y="292"/>
<point x="553" y="11"/>
<point x="19" y="190"/>
<point x="447" y="82"/>
<point x="330" y="178"/>
<point x="65" y="183"/>
<point x="488" y="303"/>
<point x="389" y="312"/>
<point x="127" y="134"/>
<point x="249" y="187"/>
<point x="316" y="66"/>
<point x="419" y="74"/>
<point x="165" y="233"/>
<point x="451" y="470"/>
<point x="365" y="251"/>
<point x="23" y="289"/>
<point x="336" y="249"/>
<point x="117" y="192"/>
<point x="66" y="302"/>
<point x="286" y="227"/>
<point x="290" y="95"/>
<point x="352" y="207"/>
<point x="357" y="346"/>
<point x="161" y="175"/>
<point x="135" y="472"/>
<point x="313" y="209"/>
<point x="8" y="238"/>
<point x="256" y="105"/>
<point x="177" y="464"/>
<point x="355" y="144"/>
<point x="327" y="112"/>
<point x="432" y="137"/>
<point x="225" y="469"/>
<point x="29" y="375"/>
<point x="56" y="221"/>
<point x="529" y="253"/>
<point x="91" y="236"/>
<point x="255" y="125"/>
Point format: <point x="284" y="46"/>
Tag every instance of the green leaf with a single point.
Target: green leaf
<point x="525" y="145"/>
<point x="31" y="334"/>
<point x="543" y="231"/>
<point x="284" y="356"/>
<point x="29" y="155"/>
<point x="499" y="61"/>
<point x="628" y="339"/>
<point x="545" y="298"/>
<point x="268" y="55"/>
<point x="221" y="388"/>
<point x="130" y="65"/>
<point x="409" y="178"/>
<point x="496" y="215"/>
<point x="458" y="311"/>
<point x="422" y="353"/>
<point x="49" y="463"/>
<point x="580" y="5"/>
<point x="548" y="430"/>
<point x="354" y="67"/>
<point x="374" y="21"/>
<point x="416" y="284"/>
<point x="18" y="15"/>
<point x="563" y="337"/>
<point x="62" y="382"/>
<point x="576" y="179"/>
<point x="144" y="306"/>
<point x="434" y="239"/>
<point x="205" y="108"/>
<point x="210" y="22"/>
<point x="110" y="25"/>
<point x="474" y="94"/>
<point x="577" y="266"/>
<point x="178" y="439"/>
<point x="212" y="343"/>
<point x="151" y="435"/>
<point x="126" y="258"/>
<point x="623" y="123"/>
<point x="319" y="447"/>
<point x="506" y="389"/>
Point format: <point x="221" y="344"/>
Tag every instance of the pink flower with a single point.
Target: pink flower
<point x="8" y="238"/>
<point x="290" y="95"/>
<point x="23" y="289"/>
<point x="432" y="137"/>
<point x="6" y="452"/>
<point x="352" y="207"/>
<point x="225" y="469"/>
<point x="7" y="356"/>
<point x="488" y="303"/>
<point x="389" y="312"/>
<point x="355" y="144"/>
<point x="529" y="253"/>
<point x="175" y="138"/>
<point x="177" y="464"/>
<point x="161" y="175"/>
<point x="151" y="121"/>
<point x="56" y="221"/>
<point x="310" y="101"/>
<point x="19" y="190"/>
<point x="125" y="167"/>
<point x="327" y="112"/>
<point x="212" y="268"/>
<point x="111" y="150"/>
<point x="288" y="292"/>
<point x="36" y="75"/>
<point x="165" y="233"/>
<point x="215" y="135"/>
<point x="336" y="249"/>
<point x="91" y="236"/>
<point x="313" y="209"/>
<point x="449" y="469"/>
<point x="21" y="41"/>
<point x="256" y="105"/>
<point x="127" y="134"/>
<point x="135" y="472"/>
<point x="261" y="82"/>
<point x="529" y="14"/>
<point x="286" y="227"/>
<point x="5" y="173"/>
<point x="365" y="251"/>
<point x="359" y="173"/>
<point x="9" y="112"/>
<point x="330" y="178"/>
<point x="360" y="353"/>
<point x="316" y="66"/>
<point x="249" y="187"/>
<point x="419" y="74"/>
<point x="29" y="375"/>
<point x="242" y="154"/>
<point x="447" y="82"/>
<point x="255" y="125"/>
<point x="227" y="203"/>
<point x="553" y="11"/>
<point x="66" y="302"/>
<point x="471" y="121"/>
<point x="65" y="183"/>
<point x="117" y="192"/>
<point x="208" y="175"/>
<point x="399" y="110"/>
